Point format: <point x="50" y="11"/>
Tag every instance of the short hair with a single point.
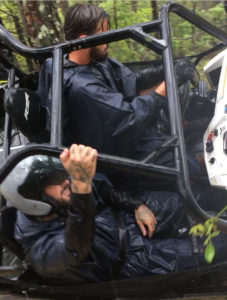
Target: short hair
<point x="83" y="19"/>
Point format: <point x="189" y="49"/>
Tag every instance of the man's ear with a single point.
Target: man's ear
<point x="82" y="35"/>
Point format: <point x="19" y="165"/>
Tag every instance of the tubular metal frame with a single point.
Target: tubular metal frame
<point x="139" y="33"/>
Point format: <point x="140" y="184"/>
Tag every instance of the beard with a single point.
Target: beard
<point x="98" y="55"/>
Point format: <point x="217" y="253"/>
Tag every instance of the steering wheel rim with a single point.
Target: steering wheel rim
<point x="184" y="91"/>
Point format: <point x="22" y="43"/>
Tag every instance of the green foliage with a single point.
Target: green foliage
<point x="188" y="39"/>
<point x="209" y="253"/>
<point x="208" y="231"/>
<point x="47" y="17"/>
<point x="3" y="81"/>
<point x="122" y="15"/>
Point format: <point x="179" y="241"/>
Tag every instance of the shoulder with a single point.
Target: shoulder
<point x="118" y="68"/>
<point x="81" y="77"/>
<point x="113" y="62"/>
<point x="27" y="227"/>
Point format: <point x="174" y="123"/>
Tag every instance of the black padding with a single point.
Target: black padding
<point x="8" y="219"/>
<point x="23" y="107"/>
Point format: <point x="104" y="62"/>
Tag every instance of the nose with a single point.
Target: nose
<point x="65" y="186"/>
<point x="65" y="183"/>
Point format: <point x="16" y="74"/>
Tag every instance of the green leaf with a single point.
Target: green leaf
<point x="209" y="229"/>
<point x="200" y="228"/>
<point x="209" y="253"/>
<point x="193" y="230"/>
<point x="197" y="230"/>
<point x="209" y="222"/>
<point x="214" y="234"/>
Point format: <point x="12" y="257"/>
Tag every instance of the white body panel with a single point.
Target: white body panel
<point x="215" y="137"/>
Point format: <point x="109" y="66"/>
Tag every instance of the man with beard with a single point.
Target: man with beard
<point x="84" y="237"/>
<point x="106" y="106"/>
<point x="74" y="231"/>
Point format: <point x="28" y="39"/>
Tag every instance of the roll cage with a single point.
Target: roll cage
<point x="139" y="33"/>
<point x="146" y="168"/>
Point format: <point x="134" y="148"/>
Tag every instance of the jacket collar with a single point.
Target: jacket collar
<point x="68" y="63"/>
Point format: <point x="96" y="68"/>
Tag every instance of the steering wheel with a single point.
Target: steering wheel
<point x="184" y="98"/>
<point x="162" y="115"/>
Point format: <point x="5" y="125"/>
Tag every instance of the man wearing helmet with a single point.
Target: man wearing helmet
<point x="63" y="237"/>
<point x="84" y="238"/>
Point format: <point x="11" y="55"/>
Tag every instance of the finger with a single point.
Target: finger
<point x="142" y="228"/>
<point x="73" y="149"/>
<point x="94" y="155"/>
<point x="152" y="217"/>
<point x="155" y="221"/>
<point x="87" y="151"/>
<point x="150" y="229"/>
<point x="81" y="149"/>
<point x="77" y="152"/>
<point x="90" y="156"/>
<point x="64" y="156"/>
<point x="93" y="158"/>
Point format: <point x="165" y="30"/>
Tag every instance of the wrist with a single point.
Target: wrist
<point x="81" y="187"/>
<point x="140" y="206"/>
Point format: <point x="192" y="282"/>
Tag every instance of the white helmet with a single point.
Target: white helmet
<point x="24" y="186"/>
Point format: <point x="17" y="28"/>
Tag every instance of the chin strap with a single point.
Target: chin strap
<point x="56" y="207"/>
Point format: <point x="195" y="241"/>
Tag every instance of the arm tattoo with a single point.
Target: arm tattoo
<point x="79" y="173"/>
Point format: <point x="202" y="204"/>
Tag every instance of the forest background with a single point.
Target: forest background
<point x="38" y="23"/>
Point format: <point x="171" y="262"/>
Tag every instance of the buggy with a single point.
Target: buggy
<point x="200" y="281"/>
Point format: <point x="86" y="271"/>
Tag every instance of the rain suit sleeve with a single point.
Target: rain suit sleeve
<point x="115" y="198"/>
<point x="103" y="118"/>
<point x="101" y="106"/>
<point x="56" y="250"/>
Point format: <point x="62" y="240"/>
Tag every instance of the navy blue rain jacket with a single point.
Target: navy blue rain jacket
<point x="45" y="247"/>
<point x="102" y="109"/>
<point x="101" y="106"/>
<point x="113" y="257"/>
<point x="44" y="242"/>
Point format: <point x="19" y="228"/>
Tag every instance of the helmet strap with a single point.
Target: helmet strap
<point x="55" y="205"/>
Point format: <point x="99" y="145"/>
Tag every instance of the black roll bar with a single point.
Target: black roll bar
<point x="140" y="34"/>
<point x="8" y="122"/>
<point x="183" y="182"/>
<point x="57" y="83"/>
<point x="81" y="43"/>
<point x="105" y="160"/>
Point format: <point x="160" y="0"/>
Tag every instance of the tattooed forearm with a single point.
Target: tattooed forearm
<point x="74" y="188"/>
<point x="80" y="163"/>
<point x="80" y="173"/>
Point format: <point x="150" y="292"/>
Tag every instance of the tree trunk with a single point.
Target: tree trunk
<point x="154" y="7"/>
<point x="20" y="34"/>
<point x="32" y="17"/>
<point x="134" y="5"/>
<point x="115" y="14"/>
<point x="63" y="5"/>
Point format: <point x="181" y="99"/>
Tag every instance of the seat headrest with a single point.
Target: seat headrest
<point x="23" y="107"/>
